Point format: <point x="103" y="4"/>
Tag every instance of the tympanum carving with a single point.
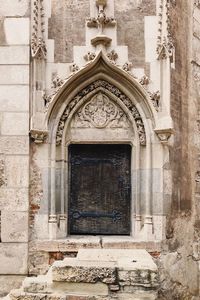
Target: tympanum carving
<point x="115" y="91"/>
<point x="100" y="112"/>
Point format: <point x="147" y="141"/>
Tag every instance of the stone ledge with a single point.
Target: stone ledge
<point x="72" y="244"/>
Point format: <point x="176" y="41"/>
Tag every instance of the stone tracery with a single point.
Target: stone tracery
<point x="100" y="112"/>
<point x="109" y="87"/>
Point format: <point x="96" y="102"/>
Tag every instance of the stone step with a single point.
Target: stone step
<point x="95" y="274"/>
<point x="110" y="266"/>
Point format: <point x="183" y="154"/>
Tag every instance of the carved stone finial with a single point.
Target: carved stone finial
<point x="113" y="56"/>
<point x="89" y="56"/>
<point x="38" y="46"/>
<point x="101" y="22"/>
<point x="74" y="68"/>
<point x="165" y="46"/>
<point x="38" y="136"/>
<point x="144" y="80"/>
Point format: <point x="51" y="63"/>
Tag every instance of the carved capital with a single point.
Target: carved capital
<point x="53" y="219"/>
<point x="164" y="134"/>
<point x="38" y="136"/>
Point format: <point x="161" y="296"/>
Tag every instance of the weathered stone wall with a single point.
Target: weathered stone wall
<point x="179" y="261"/>
<point x="14" y="141"/>
<point x="67" y="27"/>
<point x="130" y="27"/>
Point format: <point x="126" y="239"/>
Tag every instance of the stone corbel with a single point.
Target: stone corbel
<point x="164" y="134"/>
<point x="38" y="136"/>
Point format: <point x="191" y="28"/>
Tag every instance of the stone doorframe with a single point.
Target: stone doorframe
<point x="148" y="155"/>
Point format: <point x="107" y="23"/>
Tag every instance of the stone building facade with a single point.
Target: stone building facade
<point x="86" y="72"/>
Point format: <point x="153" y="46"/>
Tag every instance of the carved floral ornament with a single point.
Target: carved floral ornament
<point x="101" y="111"/>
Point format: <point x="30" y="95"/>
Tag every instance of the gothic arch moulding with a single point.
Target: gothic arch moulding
<point x="99" y="96"/>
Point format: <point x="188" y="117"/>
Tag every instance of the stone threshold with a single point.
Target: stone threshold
<point x="74" y="243"/>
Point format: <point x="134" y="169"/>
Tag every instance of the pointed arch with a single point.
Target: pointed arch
<point x="100" y="72"/>
<point x="120" y="87"/>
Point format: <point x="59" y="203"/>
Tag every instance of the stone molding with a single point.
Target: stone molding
<point x="38" y="45"/>
<point x="107" y="86"/>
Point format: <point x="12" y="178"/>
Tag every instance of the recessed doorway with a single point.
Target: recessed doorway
<point x="100" y="189"/>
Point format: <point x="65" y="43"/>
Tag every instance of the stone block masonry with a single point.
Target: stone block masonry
<point x="14" y="142"/>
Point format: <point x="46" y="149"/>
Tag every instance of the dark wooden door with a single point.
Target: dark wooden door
<point x="100" y="189"/>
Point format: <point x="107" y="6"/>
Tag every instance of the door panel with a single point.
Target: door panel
<point x="100" y="180"/>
